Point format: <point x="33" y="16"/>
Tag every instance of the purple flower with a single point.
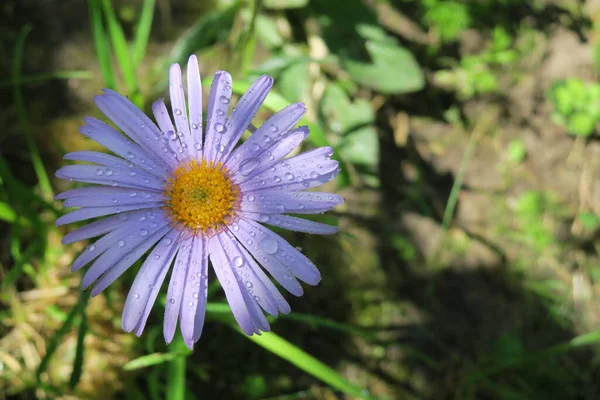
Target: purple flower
<point x="188" y="198"/>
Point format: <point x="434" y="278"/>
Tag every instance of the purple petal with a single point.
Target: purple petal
<point x="262" y="251"/>
<point x="274" y="246"/>
<point x="218" y="108"/>
<point x="125" y="246"/>
<point x="147" y="283"/>
<point x="301" y="225"/>
<point x="100" y="196"/>
<point x="278" y="201"/>
<point x="127" y="261"/>
<point x="243" y="113"/>
<point x="234" y="295"/>
<point x="194" y="86"/>
<point x="175" y="292"/>
<point x="135" y="124"/>
<point x="251" y="167"/>
<point x="102" y="226"/>
<point x="179" y="107"/>
<point x="267" y="135"/>
<point x="161" y="114"/>
<point x="174" y="148"/>
<point x="244" y="268"/>
<point x="98" y="248"/>
<point x="93" y="212"/>
<point x="306" y="170"/>
<point x="193" y="303"/>
<point x="118" y="144"/>
<point x="112" y="176"/>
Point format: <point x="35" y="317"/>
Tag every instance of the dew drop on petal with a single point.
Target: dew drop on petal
<point x="238" y="261"/>
<point x="136" y="296"/>
<point x="249" y="284"/>
<point x="143" y="232"/>
<point x="274" y="128"/>
<point x="99" y="172"/>
<point x="224" y="100"/>
<point x="92" y="247"/>
<point x="314" y="175"/>
<point x="269" y="245"/>
<point x="220" y="128"/>
<point x="168" y="241"/>
<point x="251" y="197"/>
<point x="289" y="176"/>
<point x="172" y="300"/>
<point x="178" y="111"/>
<point x="121" y="243"/>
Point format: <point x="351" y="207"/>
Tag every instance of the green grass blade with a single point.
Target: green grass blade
<point x="47" y="76"/>
<point x="36" y="159"/>
<point x="7" y="213"/>
<point x="101" y="44"/>
<point x="289" y="352"/>
<point x="142" y="33"/>
<point x="152" y="359"/>
<point x="119" y="44"/>
<point x="79" y="351"/>
<point x="62" y="331"/>
<point x="176" y="371"/>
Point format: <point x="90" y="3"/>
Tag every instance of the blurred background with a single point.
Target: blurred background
<point x="467" y="263"/>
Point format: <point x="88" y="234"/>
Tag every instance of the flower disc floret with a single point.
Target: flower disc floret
<point x="201" y="196"/>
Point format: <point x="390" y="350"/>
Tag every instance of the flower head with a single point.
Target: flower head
<point x="187" y="198"/>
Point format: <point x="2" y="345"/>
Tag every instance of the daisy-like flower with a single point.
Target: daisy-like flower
<point x="187" y="198"/>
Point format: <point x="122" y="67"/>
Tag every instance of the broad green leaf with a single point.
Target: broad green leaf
<point x="393" y="69"/>
<point x="283" y="4"/>
<point x="298" y="357"/>
<point x="360" y="146"/>
<point x="7" y="213"/>
<point x="294" y="82"/>
<point x="267" y="32"/>
<point x="341" y="114"/>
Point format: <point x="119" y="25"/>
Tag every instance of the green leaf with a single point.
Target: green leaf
<point x="516" y="151"/>
<point x="589" y="220"/>
<point x="267" y="32"/>
<point x="393" y="69"/>
<point x="298" y="357"/>
<point x="294" y="82"/>
<point x="101" y="44"/>
<point x="142" y="33"/>
<point x="581" y="124"/>
<point x="7" y="213"/>
<point x="284" y="4"/>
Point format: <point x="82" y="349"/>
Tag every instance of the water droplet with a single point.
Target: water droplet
<point x="197" y="146"/>
<point x="251" y="197"/>
<point x="269" y="245"/>
<point x="220" y="112"/>
<point x="195" y="295"/>
<point x="224" y="100"/>
<point x="289" y="176"/>
<point x="255" y="147"/>
<point x="262" y="182"/>
<point x="267" y="139"/>
<point x="172" y="300"/>
<point x="249" y="242"/>
<point x="249" y="284"/>
<point x="221" y="148"/>
<point x="264" y="218"/>
<point x="314" y="175"/>
<point x="92" y="247"/>
<point x="194" y="126"/>
<point x="220" y="128"/>
<point x="137" y="296"/>
<point x="132" y="173"/>
<point x="238" y="261"/>
<point x="99" y="172"/>
<point x="172" y="135"/>
<point x="130" y="154"/>
<point x="168" y="241"/>
<point x="114" y="183"/>
<point x="109" y="172"/>
<point x="121" y="243"/>
<point x="248" y="165"/>
<point x="274" y="128"/>
<point x="190" y="304"/>
<point x="178" y="111"/>
<point x="143" y="232"/>
<point x="277" y="179"/>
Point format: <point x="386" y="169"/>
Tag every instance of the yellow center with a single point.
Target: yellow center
<point x="201" y="196"/>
